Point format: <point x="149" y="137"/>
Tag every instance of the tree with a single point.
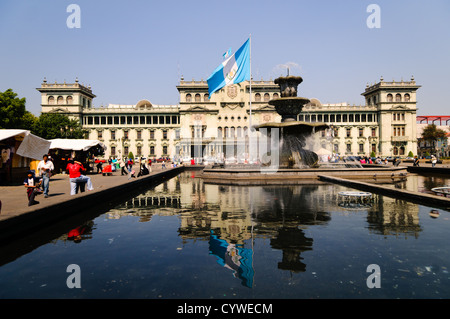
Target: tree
<point x="410" y="154"/>
<point x="55" y="125"/>
<point x="131" y="156"/>
<point x="13" y="114"/>
<point x="372" y="154"/>
<point x="433" y="134"/>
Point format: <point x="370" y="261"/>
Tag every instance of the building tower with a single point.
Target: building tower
<point x="66" y="98"/>
<point x="396" y="111"/>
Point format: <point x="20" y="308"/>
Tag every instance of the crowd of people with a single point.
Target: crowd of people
<point x="38" y="182"/>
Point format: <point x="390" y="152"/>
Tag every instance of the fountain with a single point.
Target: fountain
<point x="293" y="133"/>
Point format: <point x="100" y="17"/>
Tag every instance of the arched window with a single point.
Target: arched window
<point x="407" y="97"/>
<point x="227" y="132"/>
<point x="257" y="97"/>
<point x="51" y="100"/>
<point x="239" y="131"/>
<point x="390" y="98"/>
<point x="219" y="132"/>
<point x="197" y="98"/>
<point x="188" y="98"/>
<point x="206" y="98"/>
<point x="402" y="150"/>
<point x="275" y="95"/>
<point x="266" y="97"/>
<point x="398" y="98"/>
<point x="69" y="99"/>
<point x="59" y="100"/>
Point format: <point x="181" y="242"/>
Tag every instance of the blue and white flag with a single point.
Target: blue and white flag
<point x="233" y="70"/>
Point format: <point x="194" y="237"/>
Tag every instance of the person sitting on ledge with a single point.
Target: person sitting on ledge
<point x="75" y="168"/>
<point x="32" y="184"/>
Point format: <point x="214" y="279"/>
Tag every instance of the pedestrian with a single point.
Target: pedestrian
<point x="433" y="160"/>
<point x="163" y="166"/>
<point x="32" y="184"/>
<point x="150" y="165"/>
<point x="75" y="168"/>
<point x="99" y="166"/>
<point x="416" y="161"/>
<point x="45" y="169"/>
<point x="122" y="165"/>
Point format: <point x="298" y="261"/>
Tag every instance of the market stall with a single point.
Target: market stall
<point x="85" y="151"/>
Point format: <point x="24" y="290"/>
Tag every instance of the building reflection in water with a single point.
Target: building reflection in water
<point x="230" y="218"/>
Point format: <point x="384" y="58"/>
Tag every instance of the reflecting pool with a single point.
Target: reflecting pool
<point x="188" y="239"/>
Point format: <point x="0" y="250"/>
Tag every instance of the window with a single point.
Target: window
<point x="139" y="135"/>
<point x="348" y="131"/>
<point x="338" y="117"/>
<point x="369" y="118"/>
<point x="152" y="135"/>
<point x="349" y="148"/>
<point x="275" y="95"/>
<point x="336" y="148"/>
<point x="164" y="150"/>
<point x="99" y="135"/>
<point x="168" y="119"/>
<point x="152" y="150"/>
<point x="69" y="100"/>
<point x="361" y="132"/>
<point x="389" y="97"/>
<point x="177" y="134"/>
<point x="165" y="134"/>
<point x="129" y="120"/>
<point x="374" y="132"/>
<point x="138" y="150"/>
<point x="122" y="120"/>
<point x="174" y="119"/>
<point x="59" y="100"/>
<point x="398" y="98"/>
<point x="125" y="151"/>
<point x="374" y="148"/>
<point x="113" y="151"/>
<point x="90" y="121"/>
<point x="361" y="148"/>
<point x="407" y="97"/>
<point x="51" y="100"/>
<point x="266" y="97"/>
<point x="113" y="135"/>
<point x="336" y="132"/>
<point x="103" y="120"/>
<point x="155" y="120"/>
<point x="125" y="134"/>
<point x="206" y="98"/>
<point x="197" y="98"/>
<point x="219" y="132"/>
<point x="257" y="97"/>
<point x="188" y="98"/>
<point x="161" y="119"/>
<point x="344" y="118"/>
<point x="96" y="120"/>
<point x="110" y="120"/>
<point x="357" y="118"/>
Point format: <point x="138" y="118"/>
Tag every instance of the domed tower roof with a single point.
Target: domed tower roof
<point x="314" y="102"/>
<point x="143" y="104"/>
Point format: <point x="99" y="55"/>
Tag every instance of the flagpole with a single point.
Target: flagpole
<point x="250" y="87"/>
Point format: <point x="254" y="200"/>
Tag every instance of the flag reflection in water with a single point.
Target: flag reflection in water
<point x="234" y="257"/>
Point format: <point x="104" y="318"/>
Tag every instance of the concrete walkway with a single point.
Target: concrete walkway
<point x="17" y="216"/>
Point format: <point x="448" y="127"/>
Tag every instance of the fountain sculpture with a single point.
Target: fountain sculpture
<point x="293" y="133"/>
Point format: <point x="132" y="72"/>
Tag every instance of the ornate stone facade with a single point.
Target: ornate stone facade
<point x="199" y="125"/>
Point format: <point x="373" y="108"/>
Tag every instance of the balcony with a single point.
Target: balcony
<point x="400" y="138"/>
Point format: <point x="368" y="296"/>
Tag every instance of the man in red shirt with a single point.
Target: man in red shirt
<point x="75" y="168"/>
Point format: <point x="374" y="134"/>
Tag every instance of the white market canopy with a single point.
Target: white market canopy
<point x="32" y="146"/>
<point x="74" y="144"/>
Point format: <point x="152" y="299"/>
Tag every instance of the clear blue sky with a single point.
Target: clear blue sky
<point x="131" y="50"/>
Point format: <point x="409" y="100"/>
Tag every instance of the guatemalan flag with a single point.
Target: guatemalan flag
<point x="233" y="70"/>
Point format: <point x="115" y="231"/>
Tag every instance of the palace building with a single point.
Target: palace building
<point x="219" y="126"/>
